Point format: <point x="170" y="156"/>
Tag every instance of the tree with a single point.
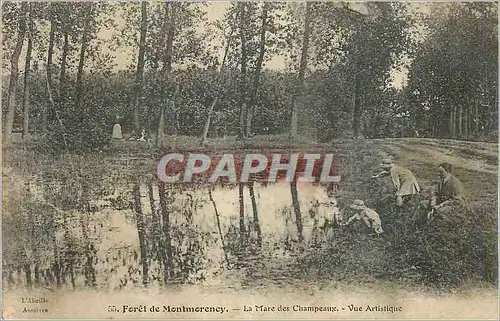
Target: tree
<point x="258" y="69"/>
<point x="255" y="211"/>
<point x="139" y="74"/>
<point x="170" y="13"/>
<point x="166" y="237"/>
<point x="243" y="19"/>
<point x="49" y="66"/>
<point x="171" y="40"/>
<point x="302" y="69"/>
<point x="228" y="39"/>
<point x="453" y="75"/>
<point x="296" y="209"/>
<point x="241" y="202"/>
<point x="141" y="232"/>
<point x="80" y="123"/>
<point x="27" y="72"/>
<point x="20" y="12"/>
<point x="353" y="53"/>
<point x="87" y="17"/>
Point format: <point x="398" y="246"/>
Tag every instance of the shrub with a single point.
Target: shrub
<point x="85" y="130"/>
<point x="449" y="250"/>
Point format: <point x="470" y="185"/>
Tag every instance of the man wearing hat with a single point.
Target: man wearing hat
<point x="369" y="216"/>
<point x="403" y="180"/>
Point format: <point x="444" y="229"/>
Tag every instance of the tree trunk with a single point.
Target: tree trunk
<point x="167" y="247"/>
<point x="167" y="65"/>
<point x="49" y="278"/>
<point x="466" y="122"/>
<point x="243" y="65"/>
<point x="214" y="102"/>
<point x="27" y="271"/>
<point x="258" y="69"/>
<point x="435" y="129"/>
<point x="139" y="74"/>
<point x="242" y="213"/>
<point x="81" y="63"/>
<point x="217" y="216"/>
<point x="50" y="54"/>
<point x="255" y="211"/>
<point x="476" y="123"/>
<point x="460" y="121"/>
<point x="302" y="69"/>
<point x="160" y="134"/>
<point x="207" y="123"/>
<point x="177" y="124"/>
<point x="156" y="224"/>
<point x="167" y="58"/>
<point x="68" y="258"/>
<point x="296" y="209"/>
<point x="37" y="274"/>
<point x="56" y="267"/>
<point x="14" y="74"/>
<point x="10" y="279"/>
<point x="454" y="121"/>
<point x="140" y="230"/>
<point x="64" y="58"/>
<point x="89" y="271"/>
<point x="63" y="271"/>
<point x="356" y="120"/>
<point x="27" y="67"/>
<point x="450" y="125"/>
<point x="72" y="275"/>
<point x="19" y="270"/>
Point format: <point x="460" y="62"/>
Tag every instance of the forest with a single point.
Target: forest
<point x="363" y="81"/>
<point x="194" y="76"/>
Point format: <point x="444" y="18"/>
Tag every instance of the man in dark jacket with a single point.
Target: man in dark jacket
<point x="449" y="194"/>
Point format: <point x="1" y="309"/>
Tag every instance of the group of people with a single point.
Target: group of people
<point x="448" y="197"/>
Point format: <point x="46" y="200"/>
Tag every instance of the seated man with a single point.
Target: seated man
<point x="403" y="180"/>
<point x="369" y="217"/>
<point x="448" y="196"/>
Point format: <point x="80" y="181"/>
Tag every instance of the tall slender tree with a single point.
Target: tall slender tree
<point x="87" y="20"/>
<point x="14" y="72"/>
<point x="258" y="69"/>
<point x="50" y="64"/>
<point x="302" y="70"/>
<point x="27" y="72"/>
<point x="243" y="29"/>
<point x="139" y="73"/>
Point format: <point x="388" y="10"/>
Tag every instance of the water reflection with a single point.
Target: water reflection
<point x="106" y="244"/>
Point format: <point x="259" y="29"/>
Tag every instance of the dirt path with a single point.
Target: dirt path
<point x="436" y="155"/>
<point x="488" y="153"/>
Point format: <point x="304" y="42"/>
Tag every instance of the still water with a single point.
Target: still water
<point x="111" y="228"/>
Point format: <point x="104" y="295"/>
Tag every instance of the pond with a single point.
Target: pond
<point x="199" y="231"/>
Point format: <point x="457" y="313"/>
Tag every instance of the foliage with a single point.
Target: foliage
<point x="456" y="65"/>
<point x="456" y="60"/>
<point x="449" y="250"/>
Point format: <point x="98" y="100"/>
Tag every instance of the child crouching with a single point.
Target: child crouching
<point x="369" y="217"/>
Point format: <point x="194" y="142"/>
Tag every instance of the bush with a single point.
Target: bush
<point x="85" y="130"/>
<point x="448" y="251"/>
